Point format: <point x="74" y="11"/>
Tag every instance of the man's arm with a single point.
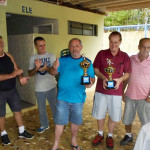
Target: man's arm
<point x="101" y="76"/>
<point x="53" y="70"/>
<point x="7" y="76"/>
<point x="14" y="62"/>
<point x="124" y="77"/>
<point x="38" y="67"/>
<point x="125" y="83"/>
<point x="148" y="98"/>
<point x="18" y="72"/>
<point x="32" y="72"/>
<point x="92" y="82"/>
<point x="15" y="73"/>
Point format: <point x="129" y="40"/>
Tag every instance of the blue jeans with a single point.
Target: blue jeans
<point x="51" y="96"/>
<point x="68" y="111"/>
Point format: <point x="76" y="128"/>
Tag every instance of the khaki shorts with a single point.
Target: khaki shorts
<point x="107" y="103"/>
<point x="132" y="106"/>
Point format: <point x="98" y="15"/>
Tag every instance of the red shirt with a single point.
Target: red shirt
<point x="121" y="63"/>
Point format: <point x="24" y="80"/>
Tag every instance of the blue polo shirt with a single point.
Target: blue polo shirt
<point x="69" y="83"/>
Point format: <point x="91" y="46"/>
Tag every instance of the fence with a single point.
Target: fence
<point x="144" y="27"/>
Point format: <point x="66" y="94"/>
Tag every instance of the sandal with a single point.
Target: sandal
<point x="76" y="147"/>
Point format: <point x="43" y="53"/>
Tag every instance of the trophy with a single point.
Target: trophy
<point x="110" y="70"/>
<point x="85" y="78"/>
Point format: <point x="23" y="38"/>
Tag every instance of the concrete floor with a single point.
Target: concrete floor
<point x="86" y="134"/>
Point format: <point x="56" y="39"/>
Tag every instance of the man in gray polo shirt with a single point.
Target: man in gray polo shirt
<point x="45" y="84"/>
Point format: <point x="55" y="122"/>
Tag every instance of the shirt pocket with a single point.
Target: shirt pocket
<point x="119" y="69"/>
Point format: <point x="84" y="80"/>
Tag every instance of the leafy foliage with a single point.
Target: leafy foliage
<point x="129" y="17"/>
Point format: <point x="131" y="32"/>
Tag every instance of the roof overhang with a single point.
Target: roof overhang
<point x="102" y="6"/>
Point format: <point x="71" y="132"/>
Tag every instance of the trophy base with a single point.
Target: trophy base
<point x="85" y="80"/>
<point x="110" y="84"/>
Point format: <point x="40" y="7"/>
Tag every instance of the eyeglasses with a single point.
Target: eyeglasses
<point x="144" y="47"/>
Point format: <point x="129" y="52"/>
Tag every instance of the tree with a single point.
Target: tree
<point x="129" y="17"/>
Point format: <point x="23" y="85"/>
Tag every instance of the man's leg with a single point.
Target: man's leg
<point x="128" y="117"/>
<point x="76" y="119"/>
<point x="2" y="124"/>
<point x="128" y="128"/>
<point x="111" y="125"/>
<point x="2" y="110"/>
<point x="41" y="100"/>
<point x="115" y="112"/>
<point x="74" y="131"/>
<point x="100" y="124"/>
<point x="18" y="118"/>
<point x="58" y="133"/>
<point x="61" y="119"/>
<point x="52" y="97"/>
<point x="143" y="111"/>
<point x="22" y="132"/>
<point x="4" y="135"/>
<point x="15" y="105"/>
<point x="99" y="113"/>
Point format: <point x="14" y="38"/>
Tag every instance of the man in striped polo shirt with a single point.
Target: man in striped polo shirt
<point x="137" y="97"/>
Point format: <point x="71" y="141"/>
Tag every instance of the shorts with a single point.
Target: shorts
<point x="103" y="103"/>
<point x="131" y="106"/>
<point x="68" y="111"/>
<point x="12" y="98"/>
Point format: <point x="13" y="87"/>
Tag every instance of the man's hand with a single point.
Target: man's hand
<point x="38" y="63"/>
<point x="118" y="81"/>
<point x="24" y="80"/>
<point x="89" y="85"/>
<point x="16" y="73"/>
<point x="148" y="99"/>
<point x="43" y="68"/>
<point x="56" y="64"/>
<point x="105" y="83"/>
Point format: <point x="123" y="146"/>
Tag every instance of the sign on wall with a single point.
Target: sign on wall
<point x="3" y="2"/>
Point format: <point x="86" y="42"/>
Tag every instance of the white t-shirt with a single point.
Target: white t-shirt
<point x="43" y="80"/>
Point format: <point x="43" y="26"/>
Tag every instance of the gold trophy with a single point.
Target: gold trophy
<point x="110" y="70"/>
<point x="85" y="78"/>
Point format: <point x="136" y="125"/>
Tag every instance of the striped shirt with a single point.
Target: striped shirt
<point x="139" y="80"/>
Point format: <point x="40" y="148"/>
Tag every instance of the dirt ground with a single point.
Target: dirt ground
<point x="87" y="132"/>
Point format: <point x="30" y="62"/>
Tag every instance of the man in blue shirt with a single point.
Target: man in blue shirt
<point x="71" y="93"/>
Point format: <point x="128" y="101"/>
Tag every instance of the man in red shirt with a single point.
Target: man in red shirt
<point x="109" y="99"/>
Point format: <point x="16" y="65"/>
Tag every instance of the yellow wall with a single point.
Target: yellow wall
<point x="57" y="42"/>
<point x="130" y="41"/>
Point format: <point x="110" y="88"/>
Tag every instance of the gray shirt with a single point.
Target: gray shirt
<point x="43" y="80"/>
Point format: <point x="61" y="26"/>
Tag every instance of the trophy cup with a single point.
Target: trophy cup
<point x="85" y="78"/>
<point x="110" y="70"/>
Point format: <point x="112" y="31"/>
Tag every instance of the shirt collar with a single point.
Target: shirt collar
<point x="118" y="54"/>
<point x="137" y="58"/>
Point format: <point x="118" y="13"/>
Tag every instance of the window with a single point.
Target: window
<point x="47" y="29"/>
<point x="78" y="28"/>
